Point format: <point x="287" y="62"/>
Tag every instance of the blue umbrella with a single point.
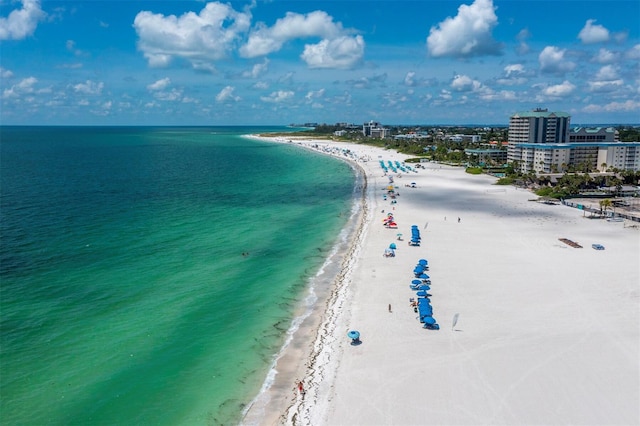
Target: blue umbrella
<point x="392" y="246"/>
<point x="429" y="320"/>
<point x="423" y="287"/>
<point x="422" y="293"/>
<point x="416" y="282"/>
<point x="353" y="334"/>
<point x="423" y="262"/>
<point x="424" y="276"/>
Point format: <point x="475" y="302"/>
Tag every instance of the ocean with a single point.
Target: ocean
<point x="148" y="275"/>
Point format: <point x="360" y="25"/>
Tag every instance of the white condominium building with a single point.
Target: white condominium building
<point x="541" y="141"/>
<point x="539" y="126"/>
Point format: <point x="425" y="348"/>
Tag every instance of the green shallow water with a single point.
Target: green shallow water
<point x="148" y="275"/>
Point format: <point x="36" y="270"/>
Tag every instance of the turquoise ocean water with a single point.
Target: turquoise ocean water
<point x="148" y="275"/>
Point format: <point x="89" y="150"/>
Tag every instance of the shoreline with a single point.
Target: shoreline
<point x="538" y="322"/>
<point x="279" y="401"/>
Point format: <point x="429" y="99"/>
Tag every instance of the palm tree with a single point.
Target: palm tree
<point x="604" y="204"/>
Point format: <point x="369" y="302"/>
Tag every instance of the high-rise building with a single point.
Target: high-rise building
<point x="539" y="126"/>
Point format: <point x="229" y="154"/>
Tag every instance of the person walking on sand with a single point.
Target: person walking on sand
<point x="458" y="220"/>
<point x="389" y="307"/>
<point x="301" y="388"/>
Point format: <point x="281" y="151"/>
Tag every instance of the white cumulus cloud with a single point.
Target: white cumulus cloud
<point x="464" y="83"/>
<point x="466" y="34"/>
<point x="257" y="70"/>
<point x="197" y="38"/>
<point x="559" y="90"/>
<point x="22" y="23"/>
<point x="608" y="72"/>
<point x="626" y="106"/>
<point x="89" y="87"/>
<point x="160" y="84"/>
<point x="5" y="73"/>
<point x="317" y="94"/>
<point x="592" y="33"/>
<point x="336" y="49"/>
<point x="514" y="74"/>
<point x="634" y="52"/>
<point x="605" y="56"/>
<point x="264" y="40"/>
<point x="342" y="53"/>
<point x="277" y="97"/>
<point x="227" y="94"/>
<point x="25" y="86"/>
<point x="552" y="60"/>
<point x="606" y="80"/>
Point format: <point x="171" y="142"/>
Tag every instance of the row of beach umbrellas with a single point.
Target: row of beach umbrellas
<point x="415" y="236"/>
<point x="394" y="166"/>
<point x="421" y="285"/>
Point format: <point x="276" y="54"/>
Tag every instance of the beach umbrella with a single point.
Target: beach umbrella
<point x="429" y="320"/>
<point x="423" y="262"/>
<point x="353" y="334"/>
<point x="416" y="282"/>
<point x="424" y="276"/>
<point x="422" y="293"/>
<point x="392" y="246"/>
<point x="423" y="287"/>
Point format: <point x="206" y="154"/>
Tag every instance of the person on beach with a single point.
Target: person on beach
<point x="301" y="388"/>
<point x="389" y="307"/>
<point x="458" y="220"/>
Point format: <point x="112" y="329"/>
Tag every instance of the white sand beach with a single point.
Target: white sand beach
<point x="547" y="334"/>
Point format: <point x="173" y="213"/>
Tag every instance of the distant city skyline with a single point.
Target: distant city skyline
<point x="279" y="62"/>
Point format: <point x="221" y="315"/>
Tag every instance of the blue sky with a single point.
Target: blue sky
<point x="117" y="62"/>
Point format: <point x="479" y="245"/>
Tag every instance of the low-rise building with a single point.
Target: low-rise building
<point x="373" y="129"/>
<point x="541" y="141"/>
<point x="553" y="158"/>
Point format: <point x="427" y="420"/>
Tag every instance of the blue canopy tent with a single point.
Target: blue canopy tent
<point x="354" y="336"/>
